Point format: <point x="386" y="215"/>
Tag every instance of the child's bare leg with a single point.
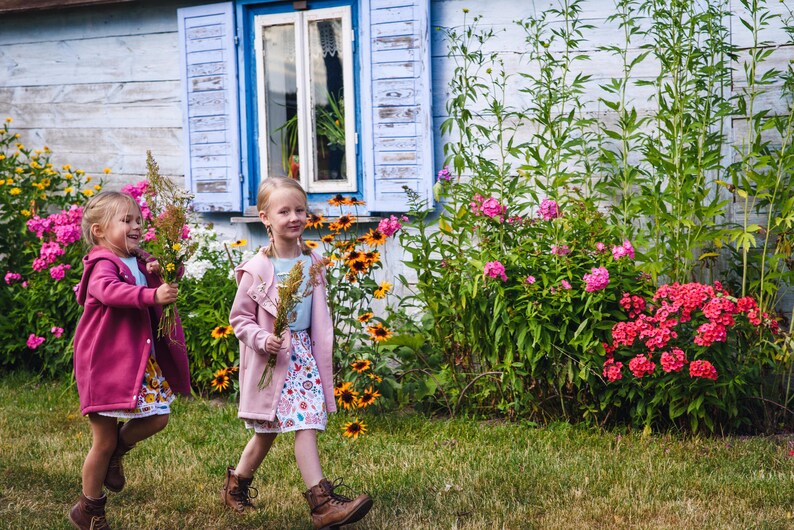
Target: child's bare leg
<point x="308" y="457"/>
<point x="254" y="453"/>
<point x="138" y="429"/>
<point x="95" y="467"/>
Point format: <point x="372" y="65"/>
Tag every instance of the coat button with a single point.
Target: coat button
<point x="313" y="343"/>
<point x="148" y="341"/>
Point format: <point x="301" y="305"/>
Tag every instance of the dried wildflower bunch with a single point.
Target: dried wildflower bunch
<point x="288" y="298"/>
<point x="168" y="234"/>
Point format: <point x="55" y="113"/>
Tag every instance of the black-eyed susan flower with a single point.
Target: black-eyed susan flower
<point x="364" y="317"/>
<point x="354" y="255"/>
<point x="378" y="332"/>
<point x="358" y="267"/>
<point x="372" y="257"/>
<point x="336" y="200"/>
<point x="315" y="221"/>
<point x="375" y="377"/>
<point x="382" y="290"/>
<point x="220" y="380"/>
<point x="354" y="428"/>
<point x="311" y="244"/>
<point x="357" y="202"/>
<point x="348" y="398"/>
<point x="221" y="332"/>
<point x="327" y="239"/>
<point x="375" y="238"/>
<point x="368" y="397"/>
<point x="338" y="389"/>
<point x="361" y="365"/>
<point x="346" y="221"/>
<point x="239" y="243"/>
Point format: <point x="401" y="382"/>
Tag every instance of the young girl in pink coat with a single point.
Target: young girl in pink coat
<point x="122" y="369"/>
<point x="300" y="393"/>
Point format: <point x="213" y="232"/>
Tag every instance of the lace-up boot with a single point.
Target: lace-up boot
<point x="115" y="479"/>
<point x="331" y="510"/>
<point x="237" y="492"/>
<point x="89" y="514"/>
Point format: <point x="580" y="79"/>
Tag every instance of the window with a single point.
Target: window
<point x="305" y="98"/>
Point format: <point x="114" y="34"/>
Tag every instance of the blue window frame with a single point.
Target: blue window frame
<point x="270" y="111"/>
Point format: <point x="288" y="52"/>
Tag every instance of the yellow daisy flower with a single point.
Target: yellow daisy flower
<point x="354" y="428"/>
<point x="381" y="291"/>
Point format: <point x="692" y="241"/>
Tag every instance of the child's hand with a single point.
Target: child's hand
<point x="166" y="294"/>
<point x="273" y="344"/>
<point x="153" y="267"/>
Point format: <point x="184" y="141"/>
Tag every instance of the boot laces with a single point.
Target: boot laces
<point x="98" y="522"/>
<point x="336" y="496"/>
<point x="244" y="494"/>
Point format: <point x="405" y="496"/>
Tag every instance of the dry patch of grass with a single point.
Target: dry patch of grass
<point x="422" y="473"/>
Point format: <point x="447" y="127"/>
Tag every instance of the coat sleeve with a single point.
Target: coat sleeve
<point x="106" y="286"/>
<point x="243" y="317"/>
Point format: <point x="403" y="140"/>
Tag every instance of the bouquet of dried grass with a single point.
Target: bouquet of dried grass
<point x="288" y="298"/>
<point x="170" y="244"/>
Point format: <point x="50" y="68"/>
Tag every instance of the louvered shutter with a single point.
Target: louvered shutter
<point x="210" y="106"/>
<point x="397" y="124"/>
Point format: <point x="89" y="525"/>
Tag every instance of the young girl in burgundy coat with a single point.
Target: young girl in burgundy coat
<point x="123" y="370"/>
<point x="300" y="393"/>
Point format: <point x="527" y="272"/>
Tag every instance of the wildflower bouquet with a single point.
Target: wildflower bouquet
<point x="168" y="235"/>
<point x="288" y="297"/>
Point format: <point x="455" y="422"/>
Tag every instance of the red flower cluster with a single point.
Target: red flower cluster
<point x="711" y="311"/>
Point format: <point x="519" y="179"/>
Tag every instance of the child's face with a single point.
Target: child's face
<point x="285" y="214"/>
<point x="123" y="234"/>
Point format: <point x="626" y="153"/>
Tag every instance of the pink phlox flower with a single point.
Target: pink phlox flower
<point x="39" y="225"/>
<point x="674" y="360"/>
<point x="403" y="218"/>
<point x="560" y="250"/>
<point x="702" y="369"/>
<point x="565" y="284"/>
<point x="475" y="204"/>
<point x="709" y="333"/>
<point x="59" y="271"/>
<point x="39" y="264"/>
<point x="137" y="190"/>
<point x="624" y="250"/>
<point x="612" y="370"/>
<point x="492" y="208"/>
<point x="624" y="333"/>
<point x="597" y="280"/>
<point x="150" y="234"/>
<point x="746" y="304"/>
<point x="50" y="252"/>
<point x="641" y="366"/>
<point x="600" y="247"/>
<point x="444" y="174"/>
<point x="495" y="269"/>
<point x="389" y="226"/>
<point x="549" y="209"/>
<point x="632" y="304"/>
<point x="34" y="341"/>
<point x="57" y="331"/>
<point x="530" y="280"/>
<point x="185" y="232"/>
<point x="24" y="284"/>
<point x="12" y="277"/>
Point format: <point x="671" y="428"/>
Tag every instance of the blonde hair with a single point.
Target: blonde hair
<point x="101" y="209"/>
<point x="266" y="189"/>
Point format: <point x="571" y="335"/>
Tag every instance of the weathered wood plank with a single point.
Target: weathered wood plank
<point x="391" y="130"/>
<point x="400" y="42"/>
<point x="394" y="29"/>
<point x="394" y="56"/>
<point x="389" y="92"/>
<point x="396" y="114"/>
<point x="395" y="70"/>
<point x="390" y="4"/>
<point x="394" y="14"/>
<point x="102" y="60"/>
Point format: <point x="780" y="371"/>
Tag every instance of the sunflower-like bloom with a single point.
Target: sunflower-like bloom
<point x="378" y="332"/>
<point x="315" y="221"/>
<point x="382" y="290"/>
<point x="327" y="239"/>
<point x="348" y="398"/>
<point x="336" y="200"/>
<point x="239" y="243"/>
<point x="220" y="380"/>
<point x="221" y="332"/>
<point x="361" y="365"/>
<point x="311" y="244"/>
<point x="354" y="428"/>
<point x="364" y="317"/>
<point x="375" y="238"/>
<point x="368" y="397"/>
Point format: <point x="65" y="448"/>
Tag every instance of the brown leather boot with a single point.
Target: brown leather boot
<point x="331" y="510"/>
<point x="237" y="492"/>
<point x="89" y="514"/>
<point x="115" y="479"/>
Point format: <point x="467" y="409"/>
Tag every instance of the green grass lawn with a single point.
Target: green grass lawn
<point x="422" y="473"/>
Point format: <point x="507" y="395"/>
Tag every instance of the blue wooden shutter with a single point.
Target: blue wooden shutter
<point x="396" y="117"/>
<point x="210" y="106"/>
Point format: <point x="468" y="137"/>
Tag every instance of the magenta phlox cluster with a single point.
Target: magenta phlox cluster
<point x="612" y="370"/>
<point x="138" y="192"/>
<point x="489" y="207"/>
<point x="703" y="369"/>
<point x="673" y="360"/>
<point x="389" y="226"/>
<point x="495" y="269"/>
<point x="560" y="250"/>
<point x="597" y="280"/>
<point x="624" y="250"/>
<point x="444" y="175"/>
<point x="632" y="304"/>
<point x="34" y="341"/>
<point x="12" y="277"/>
<point x="565" y="284"/>
<point x="59" y="271"/>
<point x="641" y="366"/>
<point x="56" y="331"/>
<point x="549" y="209"/>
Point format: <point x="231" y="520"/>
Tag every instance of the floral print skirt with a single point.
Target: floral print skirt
<point x="154" y="398"/>
<point x="302" y="403"/>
